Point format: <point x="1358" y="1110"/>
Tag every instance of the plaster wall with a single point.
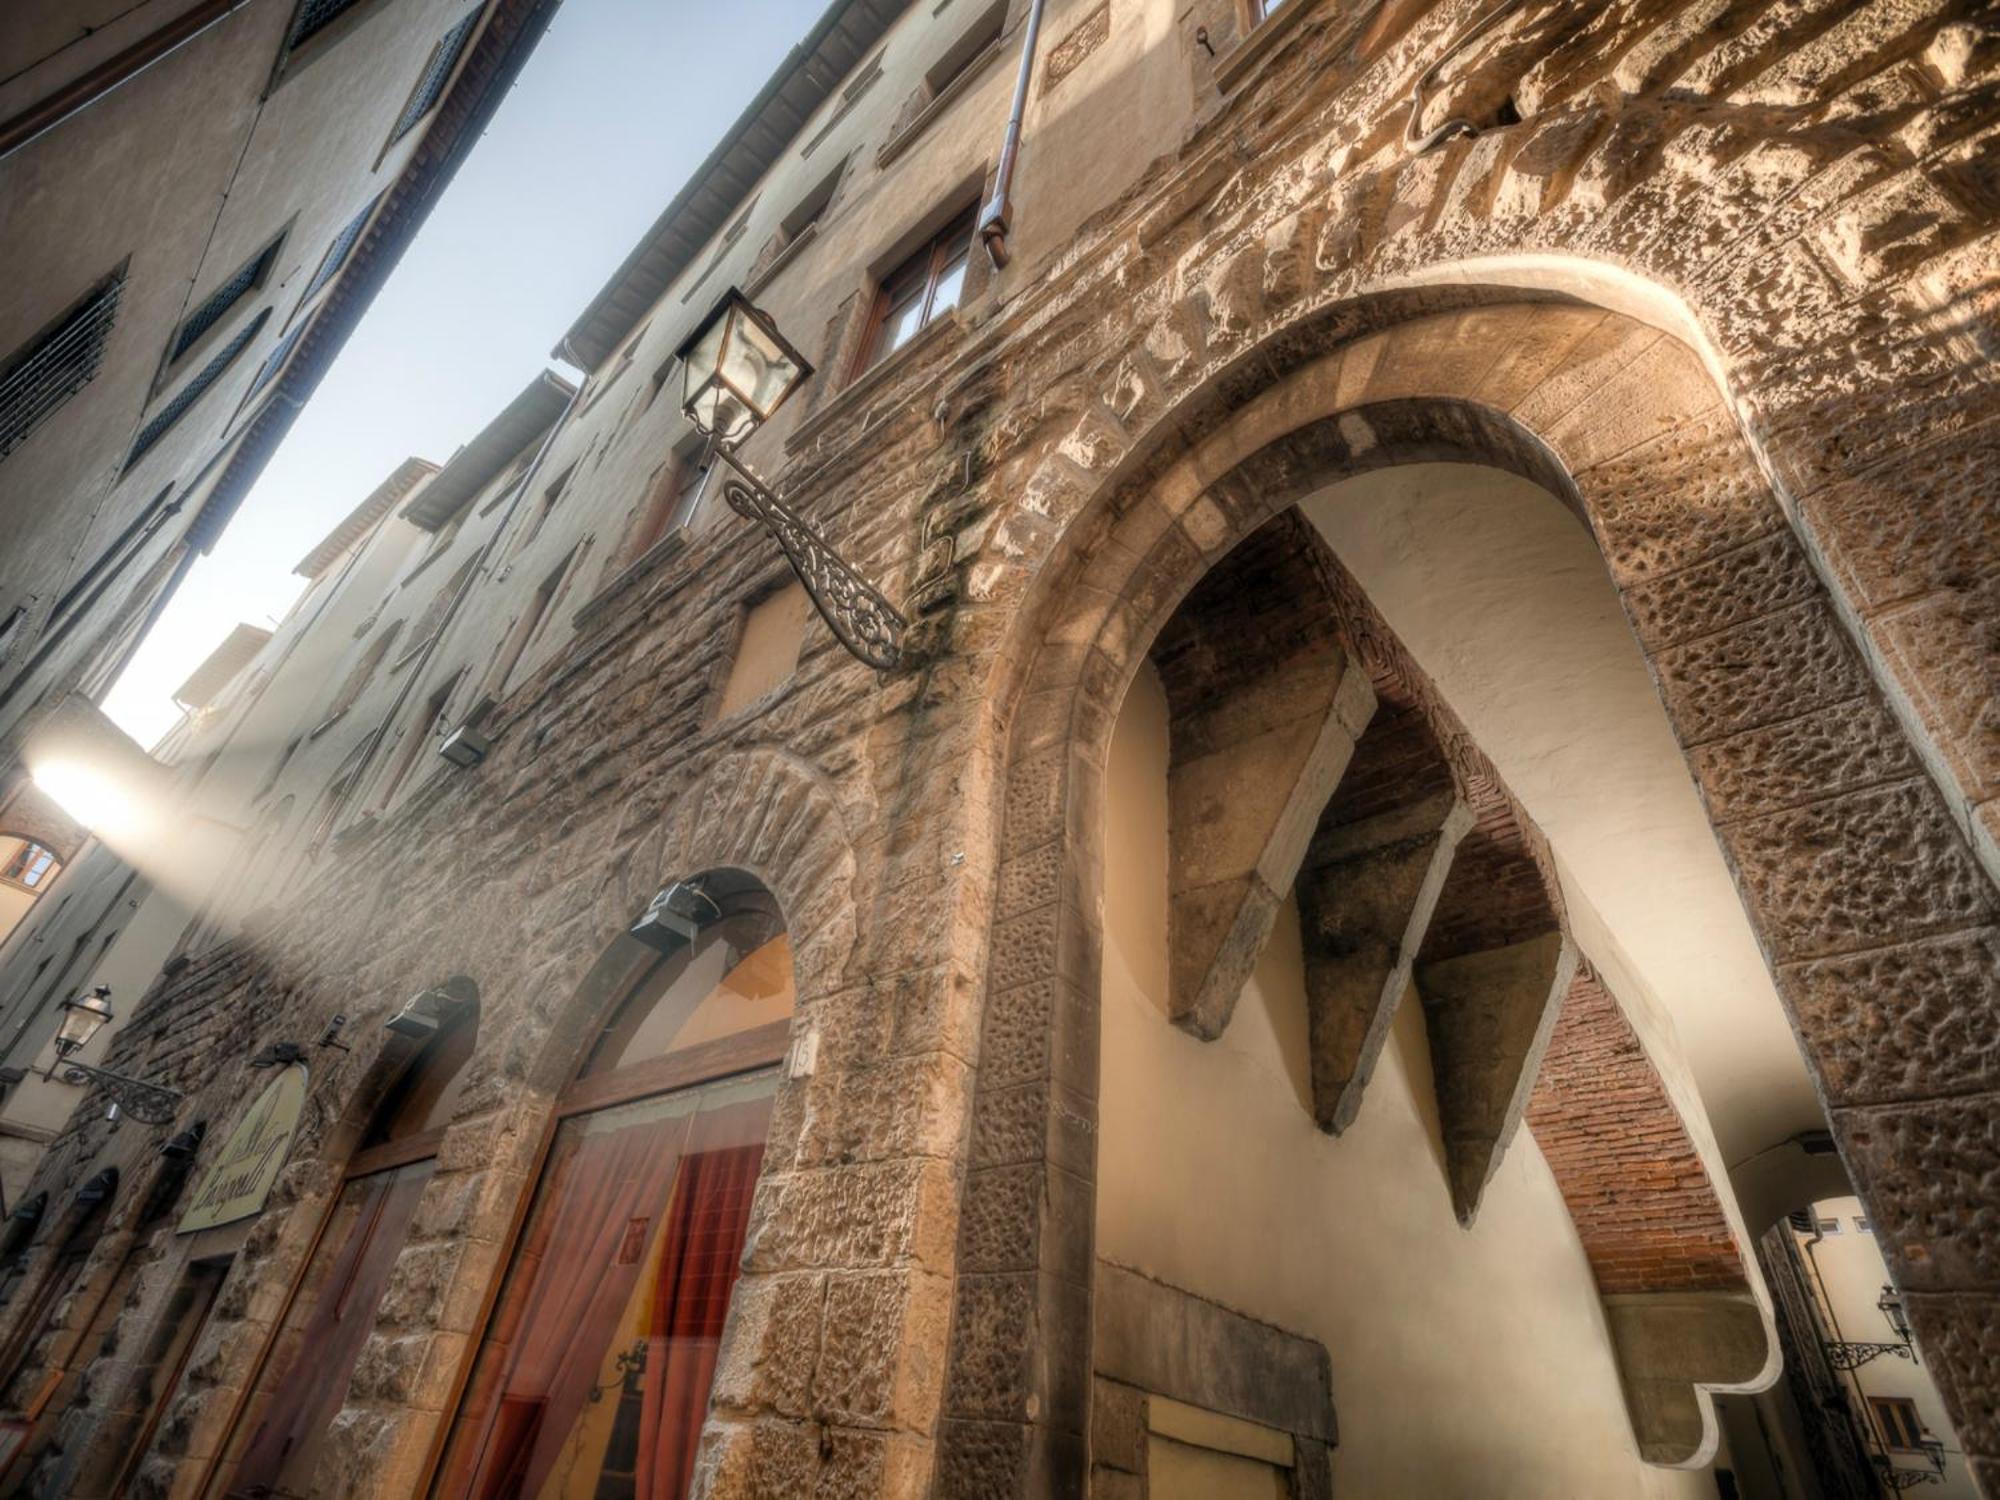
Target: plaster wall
<point x="1501" y="594"/>
<point x="15" y="903"/>
<point x="1851" y="1275"/>
<point x="1212" y="1176"/>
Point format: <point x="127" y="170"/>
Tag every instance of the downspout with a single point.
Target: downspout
<point x="996" y="217"/>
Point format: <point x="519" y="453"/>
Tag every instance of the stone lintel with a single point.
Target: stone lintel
<point x="1169" y="1342"/>
<point x="1489" y="1015"/>
<point x="1365" y="901"/>
<point x="1672" y="1349"/>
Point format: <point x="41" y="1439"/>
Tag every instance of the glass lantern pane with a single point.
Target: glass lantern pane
<point x="756" y="365"/>
<point x="699" y="368"/>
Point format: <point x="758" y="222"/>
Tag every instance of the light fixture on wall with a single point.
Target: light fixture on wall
<point x="736" y="370"/>
<point x="83" y="1017"/>
<point x="675" y="917"/>
<point x="465" y="747"/>
<point x="428" y="1012"/>
<point x="1890" y="1305"/>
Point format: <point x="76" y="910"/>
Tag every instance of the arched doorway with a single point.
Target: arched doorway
<point x="308" y="1370"/>
<point x="593" y="1372"/>
<point x="1807" y="780"/>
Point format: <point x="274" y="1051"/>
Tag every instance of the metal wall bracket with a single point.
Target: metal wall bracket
<point x="862" y="620"/>
<point x="148" y="1103"/>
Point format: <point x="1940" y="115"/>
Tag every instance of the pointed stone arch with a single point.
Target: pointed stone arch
<point x="1854" y="873"/>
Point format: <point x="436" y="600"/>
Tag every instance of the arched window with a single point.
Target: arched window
<point x="106" y="1302"/>
<point x="594" y="1372"/>
<point x="92" y="1202"/>
<point x="304" y="1380"/>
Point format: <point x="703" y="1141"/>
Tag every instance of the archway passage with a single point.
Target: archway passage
<point x="1862" y="890"/>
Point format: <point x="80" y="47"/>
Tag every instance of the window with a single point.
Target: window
<point x="156" y="1375"/>
<point x="550" y="497"/>
<point x="313" y="17"/>
<point x="358" y="679"/>
<point x="421" y="730"/>
<point x="337" y="252"/>
<point x="670" y="502"/>
<point x="1862" y="1224"/>
<point x="304" y="1382"/>
<point x="1829" y="1226"/>
<point x="273" y="363"/>
<point x="730" y="236"/>
<point x="967" y="50"/>
<point x="249" y="276"/>
<point x="1897" y="1417"/>
<point x="797" y="227"/>
<point x="433" y="618"/>
<point x="767" y="650"/>
<point x="1262" y="10"/>
<point x="184" y="399"/>
<point x="918" y="292"/>
<point x="60" y="361"/>
<point x="437" y="73"/>
<point x="31" y="867"/>
<point x="529" y="626"/>
<point x="593" y="1373"/>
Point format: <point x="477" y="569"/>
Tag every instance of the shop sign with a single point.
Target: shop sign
<point x="236" y="1186"/>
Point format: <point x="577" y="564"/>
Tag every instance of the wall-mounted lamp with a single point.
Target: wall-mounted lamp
<point x="330" y="1036"/>
<point x="465" y="746"/>
<point x="675" y="917"/>
<point x="736" y="370"/>
<point x="428" y="1012"/>
<point x="83" y="1017"/>
<point x="183" y="1145"/>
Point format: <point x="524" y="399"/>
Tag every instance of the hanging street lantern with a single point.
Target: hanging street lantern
<point x="736" y="370"/>
<point x="83" y="1017"/>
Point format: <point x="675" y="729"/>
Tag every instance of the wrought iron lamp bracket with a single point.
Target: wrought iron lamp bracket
<point x="148" y="1103"/>
<point x="861" y="619"/>
<point x="1852" y="1356"/>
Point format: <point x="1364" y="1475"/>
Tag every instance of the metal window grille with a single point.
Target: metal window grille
<point x="444" y="57"/>
<point x="220" y="301"/>
<point x="185" y="398"/>
<point x="337" y="252"/>
<point x="41" y="377"/>
<point x="274" y="361"/>
<point x="315" y="16"/>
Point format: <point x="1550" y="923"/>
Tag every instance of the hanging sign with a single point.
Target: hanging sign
<point x="250" y="1160"/>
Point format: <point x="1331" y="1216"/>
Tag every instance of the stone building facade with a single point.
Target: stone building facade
<point x="1192" y="1041"/>
<point x="206" y="194"/>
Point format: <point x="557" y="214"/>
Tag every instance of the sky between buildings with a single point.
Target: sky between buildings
<point x="618" y="105"/>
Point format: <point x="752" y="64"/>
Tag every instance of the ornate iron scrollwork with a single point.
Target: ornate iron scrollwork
<point x="148" y="1103"/>
<point x="866" y="623"/>
<point x="1852" y="1356"/>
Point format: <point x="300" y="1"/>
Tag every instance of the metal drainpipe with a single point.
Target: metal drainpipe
<point x="381" y="730"/>
<point x="995" y="217"/>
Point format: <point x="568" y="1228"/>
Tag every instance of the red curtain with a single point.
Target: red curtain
<point x="705" y="1228"/>
<point x="611" y="1183"/>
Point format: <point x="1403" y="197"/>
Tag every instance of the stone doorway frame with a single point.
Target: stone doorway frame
<point x="1869" y="903"/>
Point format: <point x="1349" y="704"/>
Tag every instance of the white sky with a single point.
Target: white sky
<point x="620" y="102"/>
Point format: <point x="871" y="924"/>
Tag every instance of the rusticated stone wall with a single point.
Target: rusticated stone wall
<point x="1786" y="483"/>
